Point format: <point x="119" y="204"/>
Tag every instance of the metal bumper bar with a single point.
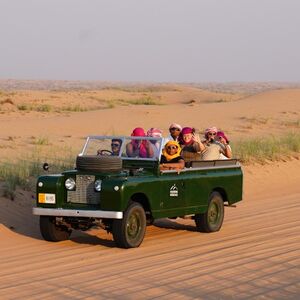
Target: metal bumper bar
<point x="60" y="212"/>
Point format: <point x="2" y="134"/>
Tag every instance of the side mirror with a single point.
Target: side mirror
<point x="46" y="166"/>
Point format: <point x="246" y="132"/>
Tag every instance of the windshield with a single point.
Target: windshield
<point x="144" y="148"/>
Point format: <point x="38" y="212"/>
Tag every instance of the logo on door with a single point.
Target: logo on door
<point x="174" y="191"/>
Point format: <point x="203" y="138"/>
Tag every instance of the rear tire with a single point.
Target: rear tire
<point x="51" y="232"/>
<point x="129" y="232"/>
<point x="212" y="219"/>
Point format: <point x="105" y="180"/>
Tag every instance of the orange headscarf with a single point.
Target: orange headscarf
<point x="168" y="156"/>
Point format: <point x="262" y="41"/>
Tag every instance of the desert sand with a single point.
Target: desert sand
<point x="254" y="255"/>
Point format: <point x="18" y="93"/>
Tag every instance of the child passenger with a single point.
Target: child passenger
<point x="171" y="159"/>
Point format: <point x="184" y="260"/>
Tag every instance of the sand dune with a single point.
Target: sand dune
<point x="255" y="255"/>
<point x="272" y="112"/>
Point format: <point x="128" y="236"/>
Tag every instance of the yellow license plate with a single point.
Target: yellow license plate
<point x="46" y="198"/>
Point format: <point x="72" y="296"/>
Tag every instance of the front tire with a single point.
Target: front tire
<point x="129" y="232"/>
<point x="212" y="219"/>
<point x="51" y="232"/>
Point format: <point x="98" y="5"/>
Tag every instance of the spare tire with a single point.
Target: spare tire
<point x="99" y="163"/>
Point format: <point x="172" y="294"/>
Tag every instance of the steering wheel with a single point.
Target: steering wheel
<point x="105" y="152"/>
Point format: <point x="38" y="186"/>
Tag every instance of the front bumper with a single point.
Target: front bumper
<point x="60" y="212"/>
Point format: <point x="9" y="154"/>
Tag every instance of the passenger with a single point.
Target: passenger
<point x="191" y="149"/>
<point x="171" y="159"/>
<point x="115" y="148"/>
<point x="213" y="148"/>
<point x="139" y="148"/>
<point x="174" y="130"/>
<point x="222" y="138"/>
<point x="155" y="133"/>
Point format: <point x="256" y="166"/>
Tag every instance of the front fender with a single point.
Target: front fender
<point x="50" y="184"/>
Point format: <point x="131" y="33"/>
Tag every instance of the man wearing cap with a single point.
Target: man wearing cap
<point x="174" y="130"/>
<point x="213" y="148"/>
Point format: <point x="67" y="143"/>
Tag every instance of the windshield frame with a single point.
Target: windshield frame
<point x="125" y="140"/>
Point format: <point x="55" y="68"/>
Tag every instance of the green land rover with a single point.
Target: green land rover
<point x="123" y="194"/>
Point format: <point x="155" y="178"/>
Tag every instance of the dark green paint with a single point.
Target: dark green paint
<point x="193" y="185"/>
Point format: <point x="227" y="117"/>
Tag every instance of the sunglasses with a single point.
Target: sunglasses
<point x="172" y="147"/>
<point x="174" y="128"/>
<point x="211" y="133"/>
<point x="115" y="145"/>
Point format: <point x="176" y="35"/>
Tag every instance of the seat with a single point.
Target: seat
<point x="213" y="163"/>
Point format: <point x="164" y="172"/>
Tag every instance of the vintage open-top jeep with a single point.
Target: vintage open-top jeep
<point x="123" y="194"/>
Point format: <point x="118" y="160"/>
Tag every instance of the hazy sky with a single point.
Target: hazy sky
<point x="153" y="40"/>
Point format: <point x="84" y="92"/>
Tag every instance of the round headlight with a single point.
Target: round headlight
<point x="70" y="184"/>
<point x="98" y="184"/>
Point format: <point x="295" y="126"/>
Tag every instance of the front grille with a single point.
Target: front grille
<point x="85" y="192"/>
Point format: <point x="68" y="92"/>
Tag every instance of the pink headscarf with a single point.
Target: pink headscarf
<point x="222" y="134"/>
<point x="138" y="131"/>
<point x="186" y="130"/>
<point x="210" y="129"/>
<point x="154" y="132"/>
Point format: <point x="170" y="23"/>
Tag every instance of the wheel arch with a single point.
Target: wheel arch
<point x="222" y="192"/>
<point x="142" y="199"/>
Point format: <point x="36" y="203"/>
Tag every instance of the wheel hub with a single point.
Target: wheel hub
<point x="133" y="226"/>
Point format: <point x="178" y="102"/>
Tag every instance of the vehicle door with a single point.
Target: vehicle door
<point x="172" y="192"/>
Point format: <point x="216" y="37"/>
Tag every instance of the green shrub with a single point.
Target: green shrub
<point x="25" y="171"/>
<point x="23" y="107"/>
<point x="267" y="148"/>
<point x="143" y="101"/>
<point x="43" y="108"/>
<point x="74" y="108"/>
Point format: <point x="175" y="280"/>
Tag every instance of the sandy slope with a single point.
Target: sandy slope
<point x="272" y="112"/>
<point x="255" y="255"/>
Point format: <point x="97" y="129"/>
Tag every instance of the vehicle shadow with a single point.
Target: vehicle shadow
<point x="85" y="238"/>
<point x="16" y="215"/>
<point x="177" y="224"/>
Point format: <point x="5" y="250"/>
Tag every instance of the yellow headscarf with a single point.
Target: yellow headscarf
<point x="168" y="156"/>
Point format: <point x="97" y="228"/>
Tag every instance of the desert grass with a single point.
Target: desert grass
<point x="273" y="148"/>
<point x="75" y="108"/>
<point x="39" y="108"/>
<point x="24" y="172"/>
<point x="40" y="140"/>
<point x="147" y="100"/>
